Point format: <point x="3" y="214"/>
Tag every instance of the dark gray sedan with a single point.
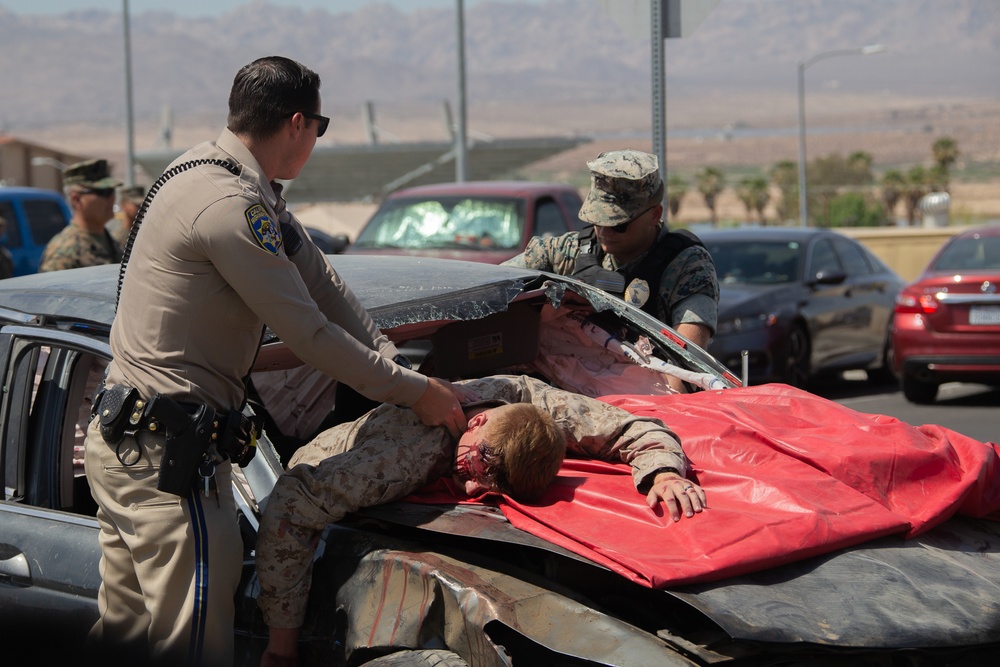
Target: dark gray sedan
<point x="482" y="591"/>
<point x="801" y="302"/>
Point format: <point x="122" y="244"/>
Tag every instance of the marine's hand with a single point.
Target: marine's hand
<point x="678" y="494"/>
<point x="439" y="406"/>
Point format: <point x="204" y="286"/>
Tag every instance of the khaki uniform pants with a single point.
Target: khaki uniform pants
<point x="170" y="566"/>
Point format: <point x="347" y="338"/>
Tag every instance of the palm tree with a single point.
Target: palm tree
<point x="916" y="188"/>
<point x="677" y="187"/>
<point x="893" y="187"/>
<point x="710" y="183"/>
<point x="784" y="175"/>
<point x="752" y="191"/>
<point x="945" y="152"/>
<point x="860" y="164"/>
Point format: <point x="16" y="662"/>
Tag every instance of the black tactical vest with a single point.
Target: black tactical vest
<point x="588" y="267"/>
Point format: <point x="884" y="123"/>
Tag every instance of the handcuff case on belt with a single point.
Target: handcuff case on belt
<point x="190" y="430"/>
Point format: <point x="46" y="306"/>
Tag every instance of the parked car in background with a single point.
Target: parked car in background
<point x="480" y="221"/>
<point x="329" y="244"/>
<point x="947" y="322"/>
<point x="34" y="216"/>
<point x="801" y="302"/>
<point x="462" y="580"/>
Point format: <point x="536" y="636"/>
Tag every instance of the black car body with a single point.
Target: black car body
<point x="402" y="577"/>
<point x="801" y="302"/>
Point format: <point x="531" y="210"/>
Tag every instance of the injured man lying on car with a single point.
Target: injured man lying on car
<point x="519" y="431"/>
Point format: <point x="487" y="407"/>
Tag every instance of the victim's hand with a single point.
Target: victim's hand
<point x="678" y="493"/>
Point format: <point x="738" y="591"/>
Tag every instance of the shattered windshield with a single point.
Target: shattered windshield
<point x="493" y="223"/>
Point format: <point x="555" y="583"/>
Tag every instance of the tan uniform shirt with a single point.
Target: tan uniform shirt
<point x="388" y="454"/>
<point x="209" y="269"/>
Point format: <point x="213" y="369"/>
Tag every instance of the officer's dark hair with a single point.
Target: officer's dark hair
<point x="267" y="92"/>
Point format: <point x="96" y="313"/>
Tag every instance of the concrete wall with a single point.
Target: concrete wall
<point x="905" y="249"/>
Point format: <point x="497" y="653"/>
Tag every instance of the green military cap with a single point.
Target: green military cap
<point x="134" y="193"/>
<point x="624" y="184"/>
<point x="90" y="174"/>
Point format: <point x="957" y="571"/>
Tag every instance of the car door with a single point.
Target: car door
<point x="49" y="550"/>
<point x="827" y="307"/>
<point x="869" y="305"/>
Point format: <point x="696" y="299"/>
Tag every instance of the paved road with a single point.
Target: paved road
<point x="970" y="409"/>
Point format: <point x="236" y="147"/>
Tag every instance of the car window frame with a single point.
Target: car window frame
<point x="52" y="486"/>
<point x="548" y="204"/>
<point x="812" y="271"/>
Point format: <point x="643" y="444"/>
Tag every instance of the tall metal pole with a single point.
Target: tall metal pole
<point x="461" y="169"/>
<point x="659" y="106"/>
<point x="803" y="212"/>
<point x="803" y="64"/>
<point x="129" y="123"/>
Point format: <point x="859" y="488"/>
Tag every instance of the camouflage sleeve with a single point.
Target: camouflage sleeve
<point x="595" y="429"/>
<point x="556" y="254"/>
<point x="689" y="290"/>
<point x="64" y="251"/>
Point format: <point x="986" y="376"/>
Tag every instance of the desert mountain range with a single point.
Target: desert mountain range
<point x="69" y="68"/>
<point x="556" y="67"/>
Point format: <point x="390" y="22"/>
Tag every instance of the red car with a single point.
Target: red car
<point x="481" y="221"/>
<point x="947" y="323"/>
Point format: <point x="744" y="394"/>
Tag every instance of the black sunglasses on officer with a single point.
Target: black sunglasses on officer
<point x="324" y="122"/>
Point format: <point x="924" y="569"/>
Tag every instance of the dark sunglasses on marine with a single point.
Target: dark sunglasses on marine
<point x="100" y="192"/>
<point x="623" y="227"/>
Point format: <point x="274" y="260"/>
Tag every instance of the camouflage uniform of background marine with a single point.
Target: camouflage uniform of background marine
<point x="74" y="246"/>
<point x="689" y="277"/>
<point x="388" y="454"/>
<point x="118" y="228"/>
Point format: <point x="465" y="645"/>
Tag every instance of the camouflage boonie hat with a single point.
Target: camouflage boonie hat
<point x="134" y="193"/>
<point x="90" y="174"/>
<point x="623" y="185"/>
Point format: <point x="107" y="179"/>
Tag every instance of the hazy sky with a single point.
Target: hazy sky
<point x="213" y="7"/>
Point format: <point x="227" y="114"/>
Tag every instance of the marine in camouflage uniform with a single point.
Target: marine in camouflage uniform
<point x="625" y="207"/>
<point x="387" y="455"/>
<point x="90" y="190"/>
<point x="129" y="202"/>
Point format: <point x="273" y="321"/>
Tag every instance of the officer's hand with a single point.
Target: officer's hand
<point x="439" y="406"/>
<point x="678" y="494"/>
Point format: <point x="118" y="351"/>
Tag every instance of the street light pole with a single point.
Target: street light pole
<point x="129" y="123"/>
<point x="803" y="64"/>
<point x="461" y="131"/>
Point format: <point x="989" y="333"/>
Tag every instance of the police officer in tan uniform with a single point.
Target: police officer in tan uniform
<point x="630" y="252"/>
<point x="90" y="192"/>
<point x="217" y="255"/>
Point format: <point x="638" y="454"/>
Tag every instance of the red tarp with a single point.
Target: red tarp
<point x="788" y="475"/>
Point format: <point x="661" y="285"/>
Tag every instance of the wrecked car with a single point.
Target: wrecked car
<point x="478" y="584"/>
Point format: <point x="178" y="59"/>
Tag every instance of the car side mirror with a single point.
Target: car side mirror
<point x="339" y="243"/>
<point x="829" y="278"/>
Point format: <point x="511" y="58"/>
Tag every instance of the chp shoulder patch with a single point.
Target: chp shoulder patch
<point x="264" y="229"/>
